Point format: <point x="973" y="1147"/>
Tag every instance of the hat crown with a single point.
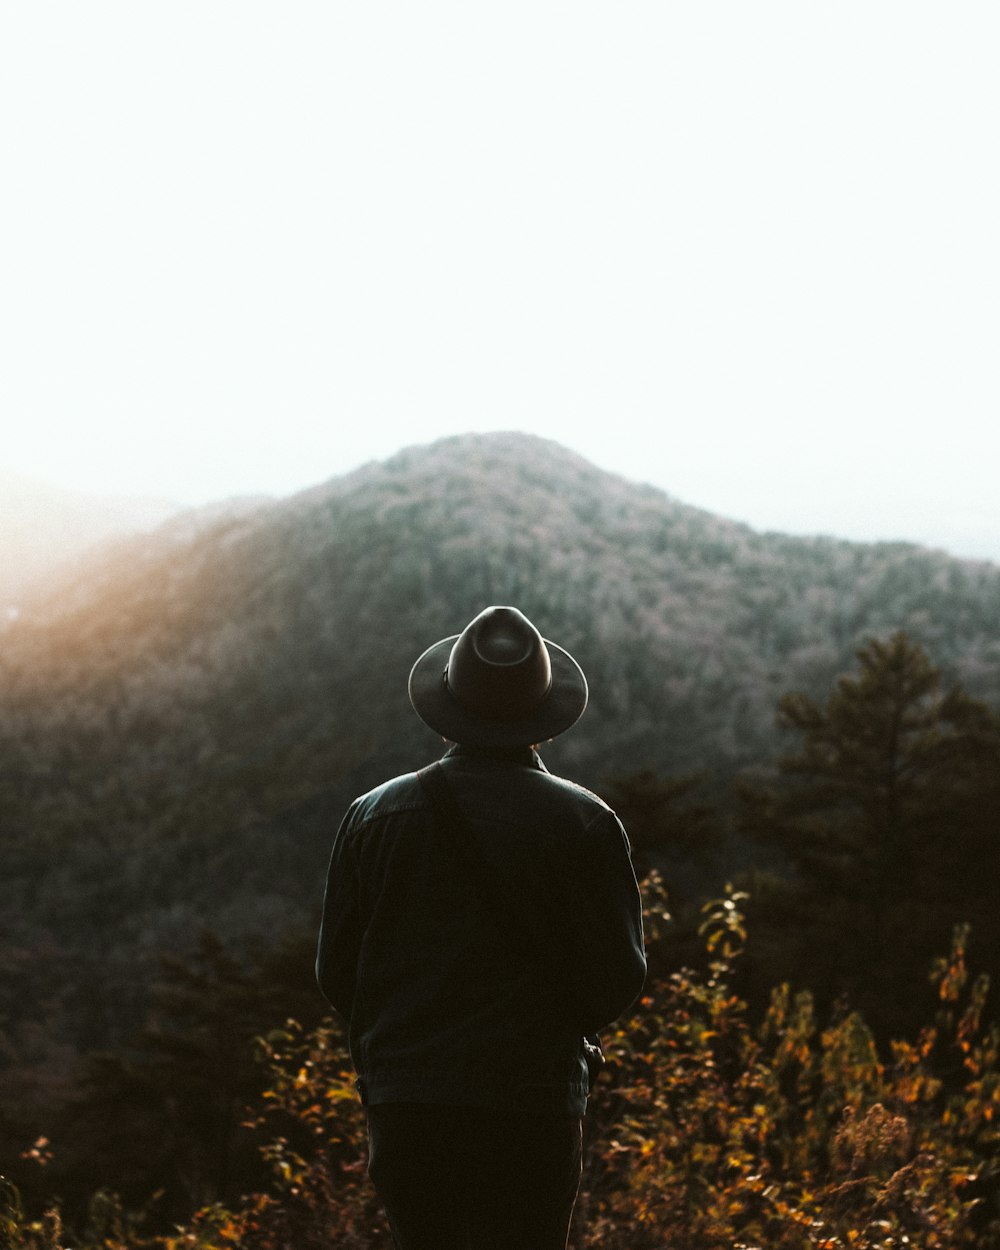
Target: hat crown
<point x="497" y="684"/>
<point x="499" y="667"/>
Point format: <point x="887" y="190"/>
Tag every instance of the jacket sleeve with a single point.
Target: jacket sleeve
<point x="340" y="931"/>
<point x="607" y="960"/>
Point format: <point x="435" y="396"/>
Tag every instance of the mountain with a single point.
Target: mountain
<point x="44" y="528"/>
<point x="185" y="715"/>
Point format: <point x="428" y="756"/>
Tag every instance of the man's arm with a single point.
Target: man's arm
<point x="340" y="932"/>
<point x="607" y="960"/>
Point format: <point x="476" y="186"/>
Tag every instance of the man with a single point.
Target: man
<point x="481" y="918"/>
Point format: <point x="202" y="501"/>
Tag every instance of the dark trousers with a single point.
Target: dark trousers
<point x="475" y="1178"/>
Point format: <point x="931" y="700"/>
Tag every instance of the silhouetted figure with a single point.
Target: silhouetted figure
<point x="481" y="920"/>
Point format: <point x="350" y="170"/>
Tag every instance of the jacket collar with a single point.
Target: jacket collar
<point x="524" y="757"/>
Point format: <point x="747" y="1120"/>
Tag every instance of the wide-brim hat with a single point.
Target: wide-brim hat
<point x="498" y="683"/>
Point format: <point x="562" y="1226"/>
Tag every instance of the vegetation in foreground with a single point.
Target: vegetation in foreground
<point x="707" y="1133"/>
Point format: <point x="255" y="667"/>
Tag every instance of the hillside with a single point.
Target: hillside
<point x="185" y="717"/>
<point x="689" y="625"/>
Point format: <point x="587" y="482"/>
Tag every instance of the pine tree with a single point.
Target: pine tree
<point x="667" y="826"/>
<point x="885" y="825"/>
<point x="166" y="1117"/>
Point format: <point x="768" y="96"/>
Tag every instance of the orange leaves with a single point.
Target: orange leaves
<point x="709" y="1131"/>
<point x="789" y="1137"/>
<point x="40" y="1152"/>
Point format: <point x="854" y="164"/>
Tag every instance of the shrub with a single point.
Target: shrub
<point x="707" y="1133"/>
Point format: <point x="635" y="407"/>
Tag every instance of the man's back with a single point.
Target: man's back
<point x="455" y="1000"/>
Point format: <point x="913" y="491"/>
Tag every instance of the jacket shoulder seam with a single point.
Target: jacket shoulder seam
<point x="389" y="809"/>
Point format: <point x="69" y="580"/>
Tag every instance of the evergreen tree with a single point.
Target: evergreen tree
<point x="676" y="835"/>
<point x="167" y="1117"/>
<point x="884" y="826"/>
<point x="667" y="827"/>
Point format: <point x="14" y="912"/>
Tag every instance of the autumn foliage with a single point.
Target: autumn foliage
<point x="790" y="1135"/>
<point x="706" y="1133"/>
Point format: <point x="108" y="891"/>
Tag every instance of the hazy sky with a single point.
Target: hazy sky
<point x="748" y="252"/>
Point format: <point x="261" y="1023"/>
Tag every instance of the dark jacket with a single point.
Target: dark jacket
<point x="452" y="1001"/>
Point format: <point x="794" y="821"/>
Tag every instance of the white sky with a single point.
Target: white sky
<point x="749" y="252"/>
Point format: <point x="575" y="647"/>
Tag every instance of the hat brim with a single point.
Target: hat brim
<point x="437" y="707"/>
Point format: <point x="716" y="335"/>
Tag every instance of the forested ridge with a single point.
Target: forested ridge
<point x="185" y="717"/>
